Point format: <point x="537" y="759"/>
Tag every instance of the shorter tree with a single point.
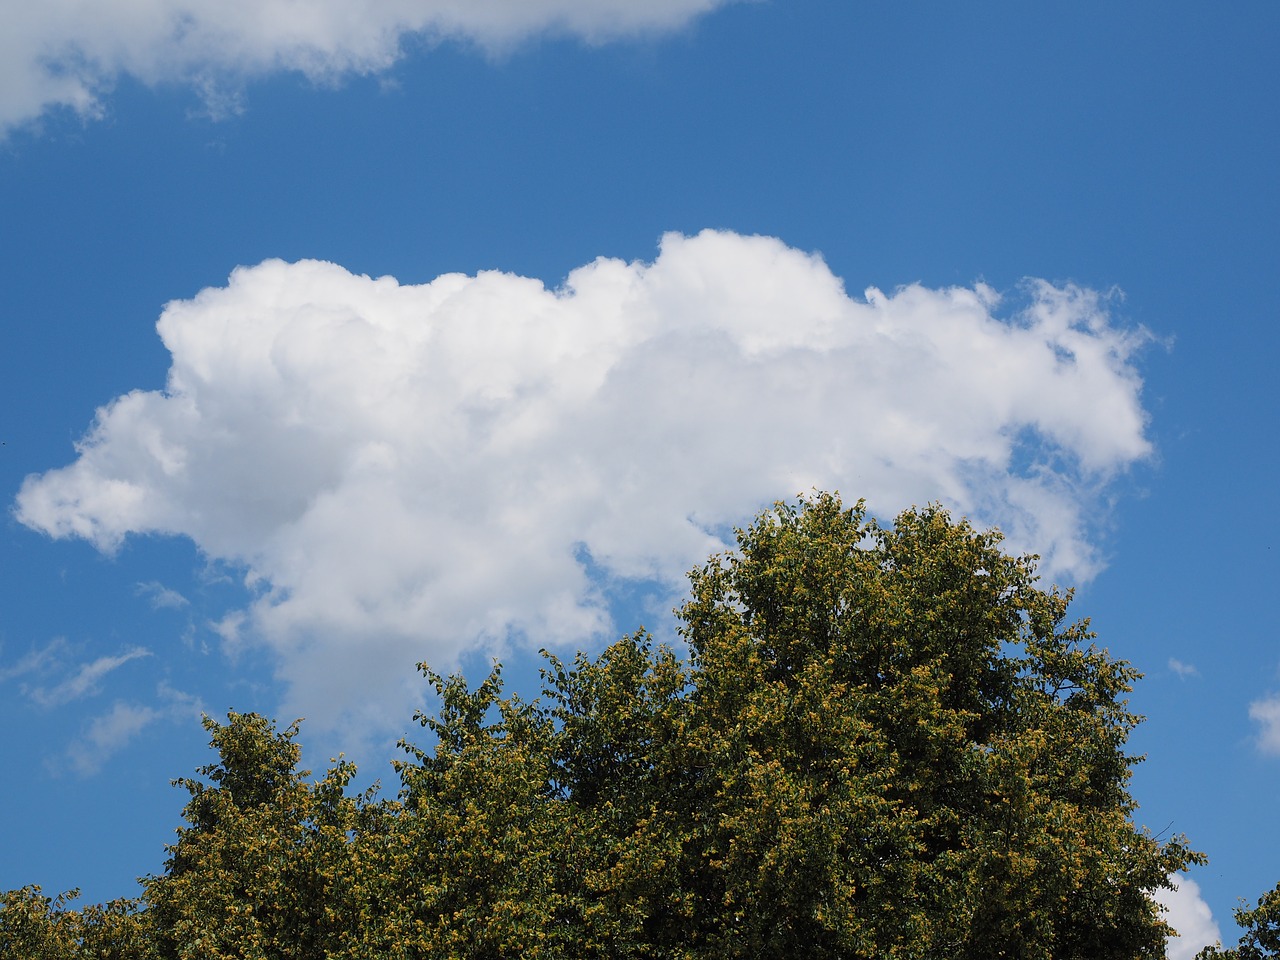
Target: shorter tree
<point x="1261" y="927"/>
<point x="36" y="927"/>
<point x="266" y="866"/>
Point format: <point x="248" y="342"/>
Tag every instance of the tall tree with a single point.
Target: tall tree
<point x="887" y="742"/>
<point x="908" y="751"/>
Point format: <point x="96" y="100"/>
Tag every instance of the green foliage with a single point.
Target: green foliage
<point x="479" y="833"/>
<point x="884" y="742"/>
<point x="36" y="927"/>
<point x="1261" y="925"/>
<point x="910" y="751"/>
<point x="268" y="864"/>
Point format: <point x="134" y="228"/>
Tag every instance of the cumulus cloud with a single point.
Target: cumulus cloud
<point x="84" y="680"/>
<point x="68" y="53"/>
<point x="1183" y="670"/>
<point x="415" y="471"/>
<point x="1267" y="713"/>
<point x="1190" y="916"/>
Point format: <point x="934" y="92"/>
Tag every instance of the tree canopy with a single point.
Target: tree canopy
<point x="874" y="742"/>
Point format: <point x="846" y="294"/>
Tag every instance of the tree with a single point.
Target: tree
<point x="887" y="742"/>
<point x="1261" y="925"/>
<point x="907" y="751"/>
<point x="479" y="842"/>
<point x="267" y="866"/>
<point x="36" y="927"/>
<point x="884" y="742"/>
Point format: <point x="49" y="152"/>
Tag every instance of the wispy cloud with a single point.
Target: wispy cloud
<point x="1183" y="670"/>
<point x="230" y="628"/>
<point x="84" y="680"/>
<point x="34" y="661"/>
<point x="109" y="733"/>
<point x="1266" y="712"/>
<point x="178" y="704"/>
<point x="419" y="471"/>
<point x="68" y="54"/>
<point x="1188" y="914"/>
<point x="162" y="597"/>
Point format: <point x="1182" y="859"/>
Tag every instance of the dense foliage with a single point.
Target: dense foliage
<point x="883" y="743"/>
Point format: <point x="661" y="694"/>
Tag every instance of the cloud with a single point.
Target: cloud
<point x="410" y="472"/>
<point x="35" y="661"/>
<point x="69" y="53"/>
<point x="1190" y="916"/>
<point x="162" y="597"/>
<point x="178" y="704"/>
<point x="84" y="680"/>
<point x="1183" y="670"/>
<point x="109" y="733"/>
<point x="1267" y="713"/>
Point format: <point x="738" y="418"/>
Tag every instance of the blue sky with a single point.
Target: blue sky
<point x="640" y="279"/>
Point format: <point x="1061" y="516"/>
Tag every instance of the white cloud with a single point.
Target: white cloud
<point x="162" y="597"/>
<point x="1267" y="713"/>
<point x="1183" y="670"/>
<point x="179" y="704"/>
<point x="85" y="679"/>
<point x="109" y="733"/>
<point x="407" y="472"/>
<point x="35" y="661"/>
<point x="68" y="53"/>
<point x="1190" y="916"/>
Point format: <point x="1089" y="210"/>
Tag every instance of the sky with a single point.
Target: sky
<point x="339" y="336"/>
